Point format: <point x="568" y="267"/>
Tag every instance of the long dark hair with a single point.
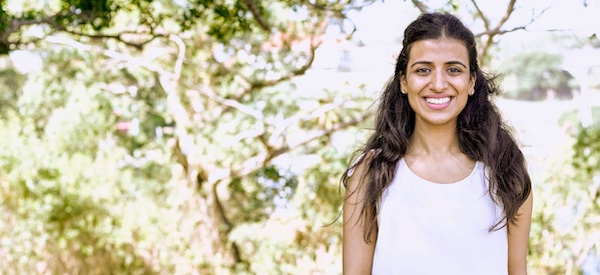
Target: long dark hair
<point x="482" y="134"/>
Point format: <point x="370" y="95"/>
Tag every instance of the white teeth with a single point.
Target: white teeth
<point x="440" y="100"/>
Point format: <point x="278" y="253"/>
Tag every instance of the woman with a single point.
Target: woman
<point x="443" y="187"/>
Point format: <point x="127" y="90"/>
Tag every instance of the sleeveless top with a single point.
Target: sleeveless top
<point x="432" y="228"/>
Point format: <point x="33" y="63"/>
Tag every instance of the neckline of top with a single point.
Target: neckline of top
<point x="477" y="166"/>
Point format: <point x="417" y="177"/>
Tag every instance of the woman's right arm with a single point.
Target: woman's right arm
<point x="357" y="254"/>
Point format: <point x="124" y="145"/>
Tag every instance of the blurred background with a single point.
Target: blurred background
<point x="208" y="137"/>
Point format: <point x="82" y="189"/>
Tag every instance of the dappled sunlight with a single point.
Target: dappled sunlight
<point x="209" y="137"/>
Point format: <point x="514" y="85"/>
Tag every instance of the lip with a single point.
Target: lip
<point x="438" y="106"/>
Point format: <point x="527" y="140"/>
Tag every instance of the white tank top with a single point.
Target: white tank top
<point x="432" y="228"/>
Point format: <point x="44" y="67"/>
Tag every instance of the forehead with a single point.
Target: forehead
<point x="442" y="49"/>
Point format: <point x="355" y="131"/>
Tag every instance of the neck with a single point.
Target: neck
<point x="434" y="140"/>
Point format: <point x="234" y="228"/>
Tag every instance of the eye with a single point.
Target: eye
<point x="454" y="70"/>
<point x="423" y="70"/>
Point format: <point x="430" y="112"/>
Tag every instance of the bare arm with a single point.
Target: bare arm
<point x="357" y="254"/>
<point x="518" y="239"/>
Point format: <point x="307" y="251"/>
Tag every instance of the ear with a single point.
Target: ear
<point x="472" y="82"/>
<point x="403" y="84"/>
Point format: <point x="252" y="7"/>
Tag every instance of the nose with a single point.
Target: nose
<point x="439" y="83"/>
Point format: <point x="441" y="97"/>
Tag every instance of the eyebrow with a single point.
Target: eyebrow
<point x="453" y="62"/>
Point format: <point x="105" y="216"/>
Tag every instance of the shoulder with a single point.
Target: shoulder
<point x="356" y="171"/>
<point x="363" y="158"/>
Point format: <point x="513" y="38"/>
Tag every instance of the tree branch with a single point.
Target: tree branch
<point x="262" y="159"/>
<point x="120" y="57"/>
<point x="230" y="103"/>
<point x="300" y="71"/>
<point x="489" y="41"/>
<point x="118" y="37"/>
<point x="500" y="32"/>
<point x="180" y="55"/>
<point x="17" y="23"/>
<point x="14" y="26"/>
<point x="235" y="251"/>
<point x="486" y="22"/>
<point x="344" y="7"/>
<point x="497" y="31"/>
<point x="280" y="129"/>
<point x="169" y="81"/>
<point x="336" y="127"/>
<point x="251" y="4"/>
<point x="509" y="10"/>
<point x="491" y="33"/>
<point x="421" y="6"/>
<point x="252" y="86"/>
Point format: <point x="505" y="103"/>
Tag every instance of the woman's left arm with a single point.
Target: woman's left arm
<point x="518" y="239"/>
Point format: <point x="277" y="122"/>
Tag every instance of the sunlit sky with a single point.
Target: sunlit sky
<point x="384" y="21"/>
<point x="380" y="28"/>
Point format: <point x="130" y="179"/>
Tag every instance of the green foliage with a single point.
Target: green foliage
<point x="255" y="197"/>
<point x="587" y="151"/>
<point x="567" y="205"/>
<point x="571" y="120"/>
<point x="117" y="159"/>
<point x="301" y="236"/>
<point x="5" y="20"/>
<point x="95" y="14"/>
<point x="11" y="89"/>
<point x="529" y="75"/>
<point x="224" y="20"/>
<point x="110" y="151"/>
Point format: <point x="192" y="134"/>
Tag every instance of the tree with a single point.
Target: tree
<point x="492" y="27"/>
<point x="168" y="136"/>
<point x="183" y="101"/>
<point x="564" y="238"/>
<point x="531" y="75"/>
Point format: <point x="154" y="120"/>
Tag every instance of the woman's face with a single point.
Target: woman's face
<point x="437" y="81"/>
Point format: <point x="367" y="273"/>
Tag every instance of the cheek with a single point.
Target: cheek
<point x="462" y="84"/>
<point x="415" y="83"/>
<point x="413" y="100"/>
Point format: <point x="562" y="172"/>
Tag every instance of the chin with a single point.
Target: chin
<point x="439" y="121"/>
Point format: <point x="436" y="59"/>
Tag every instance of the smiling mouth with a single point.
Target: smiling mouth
<point x="437" y="101"/>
